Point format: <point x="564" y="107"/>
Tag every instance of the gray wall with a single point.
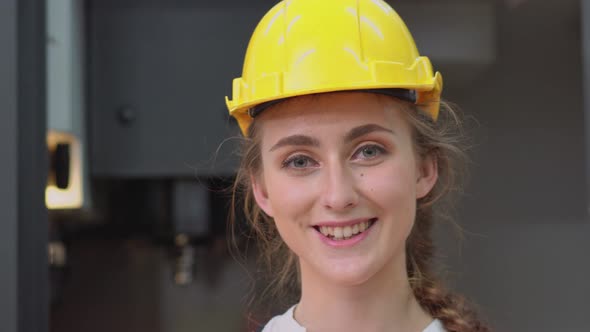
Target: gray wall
<point x="525" y="258"/>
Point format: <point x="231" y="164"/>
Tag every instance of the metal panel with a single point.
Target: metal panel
<point x="585" y="26"/>
<point x="159" y="75"/>
<point x="33" y="272"/>
<point x="23" y="226"/>
<point x="66" y="108"/>
<point x="8" y="168"/>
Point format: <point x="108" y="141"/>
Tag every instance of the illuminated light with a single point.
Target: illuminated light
<point x="71" y="197"/>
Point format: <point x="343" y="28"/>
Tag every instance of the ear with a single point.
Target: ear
<point x="427" y="175"/>
<point x="261" y="194"/>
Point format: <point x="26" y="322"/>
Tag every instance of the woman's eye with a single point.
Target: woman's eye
<point x="299" y="162"/>
<point x="369" y="152"/>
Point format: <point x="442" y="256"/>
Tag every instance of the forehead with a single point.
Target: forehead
<point x="330" y="113"/>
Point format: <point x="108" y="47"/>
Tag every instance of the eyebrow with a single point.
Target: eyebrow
<point x="303" y="140"/>
<point x="364" y="130"/>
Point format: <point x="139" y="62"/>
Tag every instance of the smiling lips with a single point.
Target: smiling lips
<point x="345" y="232"/>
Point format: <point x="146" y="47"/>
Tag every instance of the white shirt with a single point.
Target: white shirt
<point x="287" y="323"/>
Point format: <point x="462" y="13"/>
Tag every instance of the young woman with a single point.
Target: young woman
<point x="347" y="155"/>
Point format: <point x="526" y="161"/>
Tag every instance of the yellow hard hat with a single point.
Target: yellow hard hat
<point x="303" y="47"/>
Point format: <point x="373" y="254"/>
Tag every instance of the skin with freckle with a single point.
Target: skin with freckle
<point x="333" y="181"/>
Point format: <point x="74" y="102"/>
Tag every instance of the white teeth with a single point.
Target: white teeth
<point x="363" y="226"/>
<point x="346" y="232"/>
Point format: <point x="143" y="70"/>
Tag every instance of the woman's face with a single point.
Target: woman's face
<point x="340" y="177"/>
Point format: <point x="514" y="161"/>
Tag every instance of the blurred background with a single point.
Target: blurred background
<point x="117" y="153"/>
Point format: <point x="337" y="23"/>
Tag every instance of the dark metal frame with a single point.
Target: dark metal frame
<point x="33" y="271"/>
<point x="23" y="102"/>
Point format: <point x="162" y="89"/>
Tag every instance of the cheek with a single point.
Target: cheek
<point x="393" y="189"/>
<point x="291" y="200"/>
<point x="289" y="197"/>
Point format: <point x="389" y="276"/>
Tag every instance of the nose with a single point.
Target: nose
<point x="339" y="191"/>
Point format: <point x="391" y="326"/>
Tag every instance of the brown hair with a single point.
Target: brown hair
<point x="443" y="139"/>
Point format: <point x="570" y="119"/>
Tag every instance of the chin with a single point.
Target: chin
<point x="349" y="274"/>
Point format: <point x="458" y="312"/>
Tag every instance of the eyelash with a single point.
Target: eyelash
<point x="380" y="151"/>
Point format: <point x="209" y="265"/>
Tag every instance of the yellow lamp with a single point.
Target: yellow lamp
<point x="64" y="184"/>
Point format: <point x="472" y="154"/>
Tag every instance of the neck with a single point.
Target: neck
<point x="385" y="302"/>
